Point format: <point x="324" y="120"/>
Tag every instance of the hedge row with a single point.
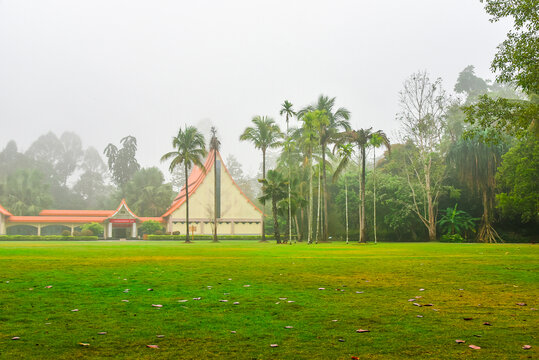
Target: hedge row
<point x="207" y="237"/>
<point x="45" y="238"/>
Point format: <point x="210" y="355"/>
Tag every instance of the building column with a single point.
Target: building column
<point x="72" y="230"/>
<point x="134" y="230"/>
<point x="232" y="232"/>
<point x="109" y="230"/>
<point x="2" y="225"/>
<point x="39" y="230"/>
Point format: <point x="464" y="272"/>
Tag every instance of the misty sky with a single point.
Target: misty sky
<point x="107" y="69"/>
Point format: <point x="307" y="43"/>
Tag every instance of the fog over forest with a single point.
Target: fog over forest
<point x="108" y="69"/>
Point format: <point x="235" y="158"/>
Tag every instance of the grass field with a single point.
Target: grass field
<point x="366" y="286"/>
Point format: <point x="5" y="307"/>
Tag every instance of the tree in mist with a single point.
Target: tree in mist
<point x="476" y="163"/>
<point x="122" y="162"/>
<point x="378" y="139"/>
<point x="288" y="111"/>
<point x="423" y="105"/>
<point x="274" y="189"/>
<point x="345" y="152"/>
<point x="215" y="145"/>
<point x="264" y="134"/>
<point x="25" y="192"/>
<point x="337" y="121"/>
<point x="189" y="149"/>
<point x="147" y="193"/>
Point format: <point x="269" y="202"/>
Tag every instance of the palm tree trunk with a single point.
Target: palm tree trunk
<point x="215" y="196"/>
<point x="346" y="205"/>
<point x="324" y="188"/>
<point x="359" y="195"/>
<point x="275" y="220"/>
<point x="318" y="205"/>
<point x="263" y="202"/>
<point x="374" y="191"/>
<point x="186" y="204"/>
<point x="298" y="232"/>
<point x="362" y="231"/>
<point x="310" y="215"/>
<point x="289" y="191"/>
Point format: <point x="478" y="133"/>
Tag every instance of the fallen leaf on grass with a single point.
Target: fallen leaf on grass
<point x="290" y="301"/>
<point x="125" y="300"/>
<point x="153" y="346"/>
<point x="102" y="333"/>
<point x="334" y="320"/>
<point x="421" y="289"/>
<point x="84" y="344"/>
<point x="48" y="286"/>
<point x="288" y="327"/>
<point x="283" y="298"/>
<point x="428" y="304"/>
<point x="467" y="318"/>
<point x="419" y="316"/>
<point x="360" y="292"/>
<point x="160" y="336"/>
<point x="236" y="303"/>
<point x="15" y="338"/>
<point x="477" y="335"/>
<point x="354" y="358"/>
<point x="233" y="332"/>
<point x="274" y="345"/>
<point x="521" y="304"/>
<point x="246" y="285"/>
<point x="362" y="331"/>
<point x="416" y="304"/>
<point x="321" y="288"/>
<point x="223" y="300"/>
<point x="150" y="289"/>
<point x="182" y="301"/>
<point x="527" y="347"/>
<point x="487" y="323"/>
<point x="460" y="341"/>
<point x="410" y="300"/>
<point x="342" y="340"/>
<point x="157" y="305"/>
<point x="198" y="298"/>
<point x="475" y="347"/>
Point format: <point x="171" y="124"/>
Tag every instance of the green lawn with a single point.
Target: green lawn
<point x="366" y="286"/>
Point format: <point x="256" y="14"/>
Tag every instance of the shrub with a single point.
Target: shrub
<point x="95" y="228"/>
<point x="77" y="233"/>
<point x="66" y="233"/>
<point x="151" y="227"/>
<point x="176" y="233"/>
<point x="87" y="232"/>
<point x="45" y="238"/>
<point x="455" y="238"/>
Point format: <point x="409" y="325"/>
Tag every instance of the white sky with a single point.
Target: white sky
<point x="106" y="69"/>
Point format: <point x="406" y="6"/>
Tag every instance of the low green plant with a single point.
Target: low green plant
<point x="456" y="221"/>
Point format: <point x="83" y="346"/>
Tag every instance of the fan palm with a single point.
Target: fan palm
<point x="376" y="141"/>
<point x="274" y="189"/>
<point x="189" y="150"/>
<point x="345" y="152"/>
<point x="337" y="121"/>
<point x="264" y="134"/>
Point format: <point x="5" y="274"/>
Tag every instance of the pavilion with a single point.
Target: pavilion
<point x="235" y="213"/>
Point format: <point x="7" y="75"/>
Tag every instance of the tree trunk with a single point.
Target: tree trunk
<point x="325" y="194"/>
<point x="263" y="202"/>
<point x="362" y="231"/>
<point x="275" y="220"/>
<point x="359" y="201"/>
<point x="318" y="206"/>
<point x="430" y="206"/>
<point x="186" y="204"/>
<point x="215" y="196"/>
<point x="289" y="190"/>
<point x="298" y="232"/>
<point x="374" y="191"/>
<point x="310" y="215"/>
<point x="486" y="232"/>
<point x="346" y="205"/>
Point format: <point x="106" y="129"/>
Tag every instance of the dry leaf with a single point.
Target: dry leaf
<point x="410" y="300"/>
<point x="288" y="327"/>
<point x="274" y="345"/>
<point x="246" y="285"/>
<point x="342" y="340"/>
<point x="290" y="301"/>
<point x="198" y="298"/>
<point x="359" y="292"/>
<point x="160" y="336"/>
<point x="467" y="318"/>
<point x="48" y="286"/>
<point x="474" y="347"/>
<point x="102" y="333"/>
<point x="153" y="346"/>
<point x="236" y="303"/>
<point x="460" y="341"/>
<point x="15" y="338"/>
<point x="233" y="332"/>
<point x="362" y="331"/>
<point x="84" y="344"/>
<point x="283" y="298"/>
<point x="150" y="289"/>
<point x="182" y="301"/>
<point x="421" y="289"/>
<point x="487" y="323"/>
<point x="75" y="310"/>
<point x="157" y="305"/>
<point x="419" y="316"/>
<point x="125" y="300"/>
<point x="223" y="300"/>
<point x="416" y="304"/>
<point x="521" y="304"/>
<point x="527" y="347"/>
<point x="428" y="304"/>
<point x="321" y="288"/>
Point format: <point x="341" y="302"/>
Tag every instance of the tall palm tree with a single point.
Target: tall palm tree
<point x="476" y="163"/>
<point x="312" y="121"/>
<point x="345" y="153"/>
<point x="376" y="141"/>
<point x="362" y="138"/>
<point x="337" y="121"/>
<point x="190" y="149"/>
<point x="274" y="189"/>
<point x="286" y="109"/>
<point x="215" y="145"/>
<point x="264" y="134"/>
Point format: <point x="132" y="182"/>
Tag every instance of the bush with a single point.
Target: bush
<point x="455" y="238"/>
<point x="95" y="228"/>
<point x="76" y="233"/>
<point x="87" y="232"/>
<point x="176" y="233"/>
<point x="159" y="232"/>
<point x="45" y="238"/>
<point x="208" y="237"/>
<point x="66" y="233"/>
<point x="151" y="227"/>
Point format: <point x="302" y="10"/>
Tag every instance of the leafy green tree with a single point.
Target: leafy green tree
<point x="377" y="139"/>
<point x="456" y="221"/>
<point x="215" y="145"/>
<point x="96" y="228"/>
<point x="345" y="153"/>
<point x="476" y="163"/>
<point x="122" y="162"/>
<point x="147" y="193"/>
<point x="517" y="179"/>
<point x="189" y="150"/>
<point x="274" y="189"/>
<point x="150" y="227"/>
<point x="25" y="192"/>
<point x="264" y="134"/>
<point x="338" y="120"/>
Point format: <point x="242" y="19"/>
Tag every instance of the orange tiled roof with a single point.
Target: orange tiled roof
<point x="98" y="213"/>
<point x="56" y="219"/>
<point x="4" y="211"/>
